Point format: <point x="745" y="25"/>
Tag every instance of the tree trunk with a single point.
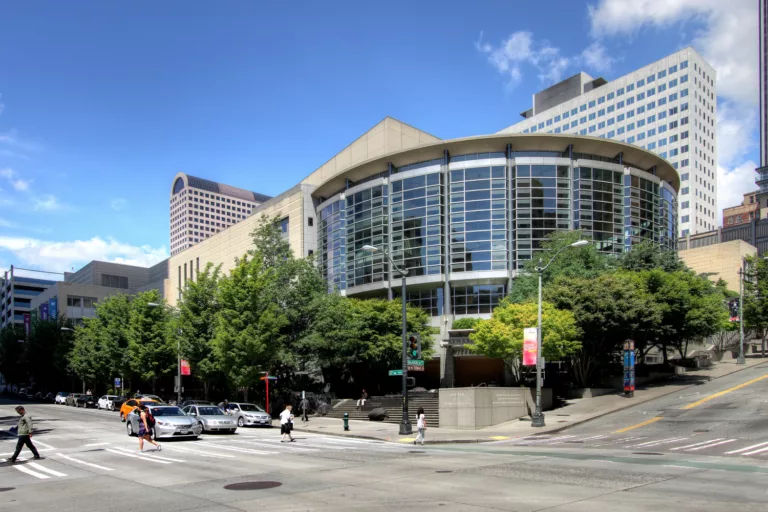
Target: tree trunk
<point x="154" y="385"/>
<point x="245" y="394"/>
<point x="206" y="387"/>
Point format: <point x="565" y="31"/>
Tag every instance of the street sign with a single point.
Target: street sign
<point x="271" y="377"/>
<point x="117" y="382"/>
<point x="416" y="362"/>
<point x="393" y="373"/>
<point x="415" y="368"/>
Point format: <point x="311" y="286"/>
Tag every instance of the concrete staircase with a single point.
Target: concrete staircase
<point x="429" y="401"/>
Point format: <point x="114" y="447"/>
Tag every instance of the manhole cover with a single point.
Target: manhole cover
<point x="252" y="486"/>
<point x="646" y="453"/>
<point x="3" y="489"/>
<point x="415" y="451"/>
<point x="444" y="471"/>
<point x="701" y="430"/>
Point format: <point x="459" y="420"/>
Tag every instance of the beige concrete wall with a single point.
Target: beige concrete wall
<point x="233" y="242"/>
<point x="387" y="136"/>
<point x="62" y="290"/>
<point x="722" y="260"/>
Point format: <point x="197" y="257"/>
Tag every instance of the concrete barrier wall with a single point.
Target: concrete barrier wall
<point x="475" y="408"/>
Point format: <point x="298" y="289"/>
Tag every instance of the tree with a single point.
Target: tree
<point x="195" y="325"/>
<point x="502" y="335"/>
<point x="648" y="256"/>
<point x="151" y="354"/>
<point x="466" y="323"/>
<point x="756" y="297"/>
<point x="585" y="261"/>
<point x="358" y="340"/>
<point x="12" y="363"/>
<point x="608" y="309"/>
<point x="91" y="356"/>
<point x="114" y="315"/>
<point x="46" y="352"/>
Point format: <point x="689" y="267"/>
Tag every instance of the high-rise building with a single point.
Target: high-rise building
<point x="17" y="292"/>
<point x="668" y="107"/>
<point x="762" y="171"/>
<point x="200" y="208"/>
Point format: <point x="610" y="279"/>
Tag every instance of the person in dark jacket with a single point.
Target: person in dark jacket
<point x="25" y="435"/>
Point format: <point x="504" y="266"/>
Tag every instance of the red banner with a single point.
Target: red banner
<point x="185" y="369"/>
<point x="530" y="346"/>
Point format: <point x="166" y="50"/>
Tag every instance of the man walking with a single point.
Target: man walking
<point x="25" y="435"/>
<point x="304" y="410"/>
<point x="286" y="423"/>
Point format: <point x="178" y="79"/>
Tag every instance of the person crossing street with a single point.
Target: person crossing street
<point x="24" y="431"/>
<point x="286" y="423"/>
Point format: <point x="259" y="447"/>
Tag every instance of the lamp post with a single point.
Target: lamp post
<point x="740" y="359"/>
<point x="178" y="357"/>
<point x="405" y="423"/>
<point x="537" y="418"/>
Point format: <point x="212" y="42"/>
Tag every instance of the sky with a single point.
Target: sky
<point x="102" y="103"/>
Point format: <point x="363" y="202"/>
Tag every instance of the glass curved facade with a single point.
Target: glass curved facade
<point x="464" y="225"/>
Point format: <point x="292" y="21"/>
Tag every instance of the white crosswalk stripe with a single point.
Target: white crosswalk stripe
<point x="288" y="446"/>
<point x="755" y="452"/>
<point x="28" y="471"/>
<point x="84" y="463"/>
<point x="234" y="449"/>
<point x="136" y="456"/>
<point x="697" y="444"/>
<point x="711" y="445"/>
<point x="656" y="443"/>
<point x="45" y="470"/>
<point x="203" y="454"/>
<point x="748" y="448"/>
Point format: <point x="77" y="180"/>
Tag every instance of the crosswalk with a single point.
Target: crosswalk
<point x="719" y="446"/>
<point x="111" y="457"/>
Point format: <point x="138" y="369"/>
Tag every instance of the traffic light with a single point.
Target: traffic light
<point x="414" y="346"/>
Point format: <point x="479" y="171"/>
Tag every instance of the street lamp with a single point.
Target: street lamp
<point x="178" y="357"/>
<point x="537" y="418"/>
<point x="405" y="423"/>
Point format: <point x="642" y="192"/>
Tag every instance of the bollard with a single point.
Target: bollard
<point x="346" y="421"/>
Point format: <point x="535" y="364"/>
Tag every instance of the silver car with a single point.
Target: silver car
<point x="248" y="414"/>
<point x="170" y="421"/>
<point x="211" y="418"/>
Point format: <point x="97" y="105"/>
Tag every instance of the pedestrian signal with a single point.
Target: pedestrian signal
<point x="414" y="346"/>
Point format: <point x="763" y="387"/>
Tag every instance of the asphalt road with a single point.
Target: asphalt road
<point x="91" y="464"/>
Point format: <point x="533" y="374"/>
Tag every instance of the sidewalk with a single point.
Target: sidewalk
<point x="573" y="413"/>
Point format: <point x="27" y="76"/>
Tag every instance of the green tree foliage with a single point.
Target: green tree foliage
<point x="151" y="353"/>
<point x="114" y="314"/>
<point x="756" y="297"/>
<point x="648" y="256"/>
<point x="466" y="323"/>
<point x="46" y="352"/>
<point x="585" y="261"/>
<point x="12" y="362"/>
<point x="608" y="309"/>
<point x="195" y="325"/>
<point x="92" y="355"/>
<point x="502" y="335"/>
<point x="358" y="340"/>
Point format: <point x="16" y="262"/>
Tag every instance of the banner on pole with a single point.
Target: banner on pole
<point x="27" y="322"/>
<point x="53" y="308"/>
<point x="530" y="346"/>
<point x="44" y="311"/>
<point x="185" y="369"/>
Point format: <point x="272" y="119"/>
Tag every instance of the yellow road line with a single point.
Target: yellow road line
<point x="724" y="392"/>
<point x="498" y="438"/>
<point x="646" y="422"/>
<point x="406" y="439"/>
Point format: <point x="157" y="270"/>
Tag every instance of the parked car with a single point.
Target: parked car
<point x="118" y="402"/>
<point x="211" y="418"/>
<point x="61" y="398"/>
<point x="149" y="397"/>
<point x="185" y="403"/>
<point x="170" y="421"/>
<point x="48" y="397"/>
<point x="72" y="398"/>
<point x="248" y="414"/>
<point x="106" y="402"/>
<point x="131" y="404"/>
<point x="86" y="401"/>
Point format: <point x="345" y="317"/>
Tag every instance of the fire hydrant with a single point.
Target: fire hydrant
<point x="346" y="421"/>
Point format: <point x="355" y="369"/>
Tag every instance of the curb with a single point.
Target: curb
<point x="548" y="431"/>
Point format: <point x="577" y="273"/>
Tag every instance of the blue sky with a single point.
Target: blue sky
<point x="101" y="103"/>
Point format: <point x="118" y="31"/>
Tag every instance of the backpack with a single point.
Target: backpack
<point x="150" y="419"/>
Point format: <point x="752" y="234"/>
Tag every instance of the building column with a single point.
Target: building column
<point x="389" y="228"/>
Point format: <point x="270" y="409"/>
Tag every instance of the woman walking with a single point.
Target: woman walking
<point x="421" y="425"/>
<point x="146" y="422"/>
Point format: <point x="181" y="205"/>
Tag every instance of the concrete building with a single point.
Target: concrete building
<point x="668" y="107"/>
<point x="76" y="297"/>
<point x="747" y="211"/>
<point x="201" y="208"/>
<point x="762" y="171"/>
<point x="17" y="293"/>
<point x="719" y="261"/>
<point x="463" y="215"/>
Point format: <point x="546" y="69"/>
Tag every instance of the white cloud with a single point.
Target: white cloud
<point x="736" y="126"/>
<point x="63" y="256"/>
<point x="595" y="57"/>
<point x="519" y="49"/>
<point x="5" y="223"/>
<point x="118" y="204"/>
<point x="46" y="202"/>
<point x="13" y="178"/>
<point x="733" y="183"/>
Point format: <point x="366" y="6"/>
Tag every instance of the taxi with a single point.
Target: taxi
<point x="133" y="403"/>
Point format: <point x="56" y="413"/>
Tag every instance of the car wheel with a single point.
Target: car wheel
<point x="240" y="422"/>
<point x="122" y="417"/>
<point x="129" y="428"/>
<point x="202" y="427"/>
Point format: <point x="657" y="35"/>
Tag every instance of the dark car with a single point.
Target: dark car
<point x="118" y="402"/>
<point x="86" y="401"/>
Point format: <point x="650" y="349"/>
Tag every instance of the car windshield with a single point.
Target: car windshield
<point x="148" y="402"/>
<point x="251" y="408"/>
<point x="166" y="411"/>
<point x="209" y="411"/>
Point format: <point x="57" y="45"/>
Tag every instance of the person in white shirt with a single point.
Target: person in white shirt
<point x="421" y="425"/>
<point x="286" y="423"/>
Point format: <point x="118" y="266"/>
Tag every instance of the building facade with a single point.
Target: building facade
<point x="762" y="171"/>
<point x="747" y="211"/>
<point x="667" y="107"/>
<point x="201" y="208"/>
<point x="17" y="293"/>
<point x="76" y="297"/>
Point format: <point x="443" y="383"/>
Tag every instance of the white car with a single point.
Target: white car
<point x="105" y="402"/>
<point x="61" y="398"/>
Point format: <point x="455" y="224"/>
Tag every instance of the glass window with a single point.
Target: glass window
<point x="601" y="99"/>
<point x="661" y="74"/>
<point x="620" y="92"/>
<point x="673" y="69"/>
<point x="582" y="108"/>
<point x="610" y="95"/>
<point x="641" y="82"/>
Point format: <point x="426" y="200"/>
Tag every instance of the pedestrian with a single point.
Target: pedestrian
<point x="363" y="398"/>
<point x="304" y="408"/>
<point x="146" y="422"/>
<point x="24" y="431"/>
<point x="421" y="425"/>
<point x="88" y="393"/>
<point x="224" y="406"/>
<point x="286" y="423"/>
